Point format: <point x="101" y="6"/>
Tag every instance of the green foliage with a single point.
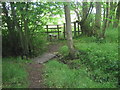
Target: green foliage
<point x="39" y="44"/>
<point x="112" y="35"/>
<point x="100" y="58"/>
<point x="14" y="73"/>
<point x="85" y="39"/>
<point x="64" y="50"/>
<point x="23" y="21"/>
<point x="59" y="75"/>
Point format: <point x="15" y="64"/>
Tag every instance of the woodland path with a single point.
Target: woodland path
<point x="35" y="69"/>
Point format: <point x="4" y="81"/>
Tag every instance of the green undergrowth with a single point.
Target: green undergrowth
<point x="97" y="58"/>
<point x="59" y="75"/>
<point x="40" y="43"/>
<point x="111" y="36"/>
<point x="14" y="74"/>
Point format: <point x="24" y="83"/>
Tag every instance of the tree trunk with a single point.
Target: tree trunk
<point x="10" y="27"/>
<point x="98" y="18"/>
<point x="26" y="31"/>
<point x="86" y="29"/>
<point x="117" y="15"/>
<point x="77" y="14"/>
<point x="84" y="9"/>
<point x="111" y="13"/>
<point x="104" y="13"/>
<point x="105" y="22"/>
<point x="108" y="14"/>
<point x="69" y="30"/>
<point x="83" y="21"/>
<point x="19" y="29"/>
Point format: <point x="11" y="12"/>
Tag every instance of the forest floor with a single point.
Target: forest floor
<point x="35" y="69"/>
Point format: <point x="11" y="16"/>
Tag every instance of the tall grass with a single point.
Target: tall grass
<point x="14" y="74"/>
<point x="112" y="35"/>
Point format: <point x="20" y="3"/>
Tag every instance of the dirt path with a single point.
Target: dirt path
<point x="35" y="75"/>
<point x="35" y="69"/>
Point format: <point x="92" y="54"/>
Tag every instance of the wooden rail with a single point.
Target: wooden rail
<point x="57" y="29"/>
<point x="54" y="28"/>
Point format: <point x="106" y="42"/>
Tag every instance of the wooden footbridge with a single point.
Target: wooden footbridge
<point x="56" y="32"/>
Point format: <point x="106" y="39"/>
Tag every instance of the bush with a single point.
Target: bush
<point x="64" y="50"/>
<point x="39" y="44"/>
<point x="16" y="47"/>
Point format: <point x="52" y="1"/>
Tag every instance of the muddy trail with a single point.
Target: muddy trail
<point x="35" y="69"/>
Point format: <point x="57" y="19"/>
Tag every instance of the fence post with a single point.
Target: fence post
<point x="58" y="30"/>
<point x="75" y="29"/>
<point x="47" y="32"/>
<point x="64" y="30"/>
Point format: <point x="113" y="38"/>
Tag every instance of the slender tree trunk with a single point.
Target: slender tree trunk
<point x="84" y="10"/>
<point x="78" y="16"/>
<point x="111" y="14"/>
<point x="104" y="13"/>
<point x="26" y="32"/>
<point x="69" y="30"/>
<point x="105" y="22"/>
<point x="108" y="14"/>
<point x="98" y="18"/>
<point x="117" y="15"/>
<point x="84" y="21"/>
<point x="14" y="33"/>
<point x="114" y="13"/>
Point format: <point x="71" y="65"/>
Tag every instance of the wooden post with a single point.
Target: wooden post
<point x="58" y="30"/>
<point x="74" y="29"/>
<point x="64" y="30"/>
<point x="78" y="29"/>
<point x="47" y="32"/>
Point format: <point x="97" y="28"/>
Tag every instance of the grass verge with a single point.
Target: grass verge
<point x="59" y="75"/>
<point x="14" y="73"/>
